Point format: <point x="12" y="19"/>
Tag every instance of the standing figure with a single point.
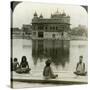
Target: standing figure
<point x="47" y="72"/>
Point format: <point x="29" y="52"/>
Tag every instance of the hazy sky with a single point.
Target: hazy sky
<point x="24" y="11"/>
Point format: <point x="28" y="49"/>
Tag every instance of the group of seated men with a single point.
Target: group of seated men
<point x="47" y="71"/>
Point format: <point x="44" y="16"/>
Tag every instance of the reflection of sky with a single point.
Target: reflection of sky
<point x="23" y="13"/>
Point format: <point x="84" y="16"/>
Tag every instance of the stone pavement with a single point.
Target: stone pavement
<point x="63" y="78"/>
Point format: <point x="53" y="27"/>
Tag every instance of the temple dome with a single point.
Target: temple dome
<point x="63" y="14"/>
<point x="41" y="16"/>
<point x="35" y="14"/>
<point x="57" y="14"/>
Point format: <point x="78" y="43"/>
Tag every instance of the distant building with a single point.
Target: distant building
<point x="79" y="32"/>
<point x="27" y="31"/>
<point x="16" y="32"/>
<point x="55" y="27"/>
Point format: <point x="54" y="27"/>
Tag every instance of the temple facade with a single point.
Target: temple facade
<point x="55" y="27"/>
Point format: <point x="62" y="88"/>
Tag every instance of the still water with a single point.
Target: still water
<point x="64" y="54"/>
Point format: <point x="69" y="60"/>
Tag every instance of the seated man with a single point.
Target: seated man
<point x="15" y="64"/>
<point x="24" y="67"/>
<point x="47" y="72"/>
<point x="80" y="68"/>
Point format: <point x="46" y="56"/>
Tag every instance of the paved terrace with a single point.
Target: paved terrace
<point x="63" y="78"/>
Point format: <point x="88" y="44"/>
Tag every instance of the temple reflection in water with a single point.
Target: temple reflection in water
<point x="57" y="50"/>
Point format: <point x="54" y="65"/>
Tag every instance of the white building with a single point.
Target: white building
<point x="55" y="27"/>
